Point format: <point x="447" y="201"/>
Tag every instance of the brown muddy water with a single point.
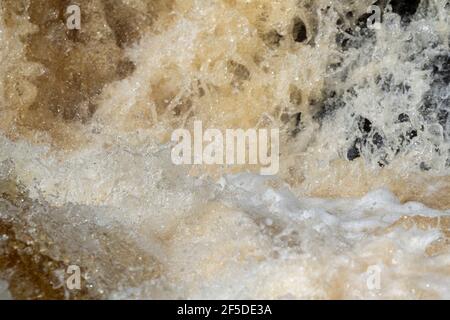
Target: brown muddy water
<point x="360" y="207"/>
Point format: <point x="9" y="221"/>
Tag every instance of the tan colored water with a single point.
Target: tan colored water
<point x="85" y="170"/>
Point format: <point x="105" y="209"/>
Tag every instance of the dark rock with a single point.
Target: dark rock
<point x="405" y="8"/>
<point x="424" y="167"/>
<point x="411" y="134"/>
<point x="299" y="31"/>
<point x="298" y="119"/>
<point x="364" y="125"/>
<point x="377" y="140"/>
<point x="362" y="21"/>
<point x="403" y="117"/>
<point x="335" y="66"/>
<point x="383" y="163"/>
<point x="354" y="152"/>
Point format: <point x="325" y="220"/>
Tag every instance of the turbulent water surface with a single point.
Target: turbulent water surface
<point x="359" y="209"/>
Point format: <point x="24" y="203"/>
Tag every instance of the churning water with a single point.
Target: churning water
<point x="360" y="207"/>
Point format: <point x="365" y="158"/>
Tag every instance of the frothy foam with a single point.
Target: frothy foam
<point x="364" y="142"/>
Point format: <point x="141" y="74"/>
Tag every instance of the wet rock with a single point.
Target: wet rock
<point x="403" y="117"/>
<point x="354" y="151"/>
<point x="377" y="140"/>
<point x="299" y="31"/>
<point x="405" y="8"/>
<point x="412" y="134"/>
<point x="383" y="163"/>
<point x="335" y="66"/>
<point x="298" y="119"/>
<point x="362" y="20"/>
<point x="424" y="167"/>
<point x="364" y="125"/>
